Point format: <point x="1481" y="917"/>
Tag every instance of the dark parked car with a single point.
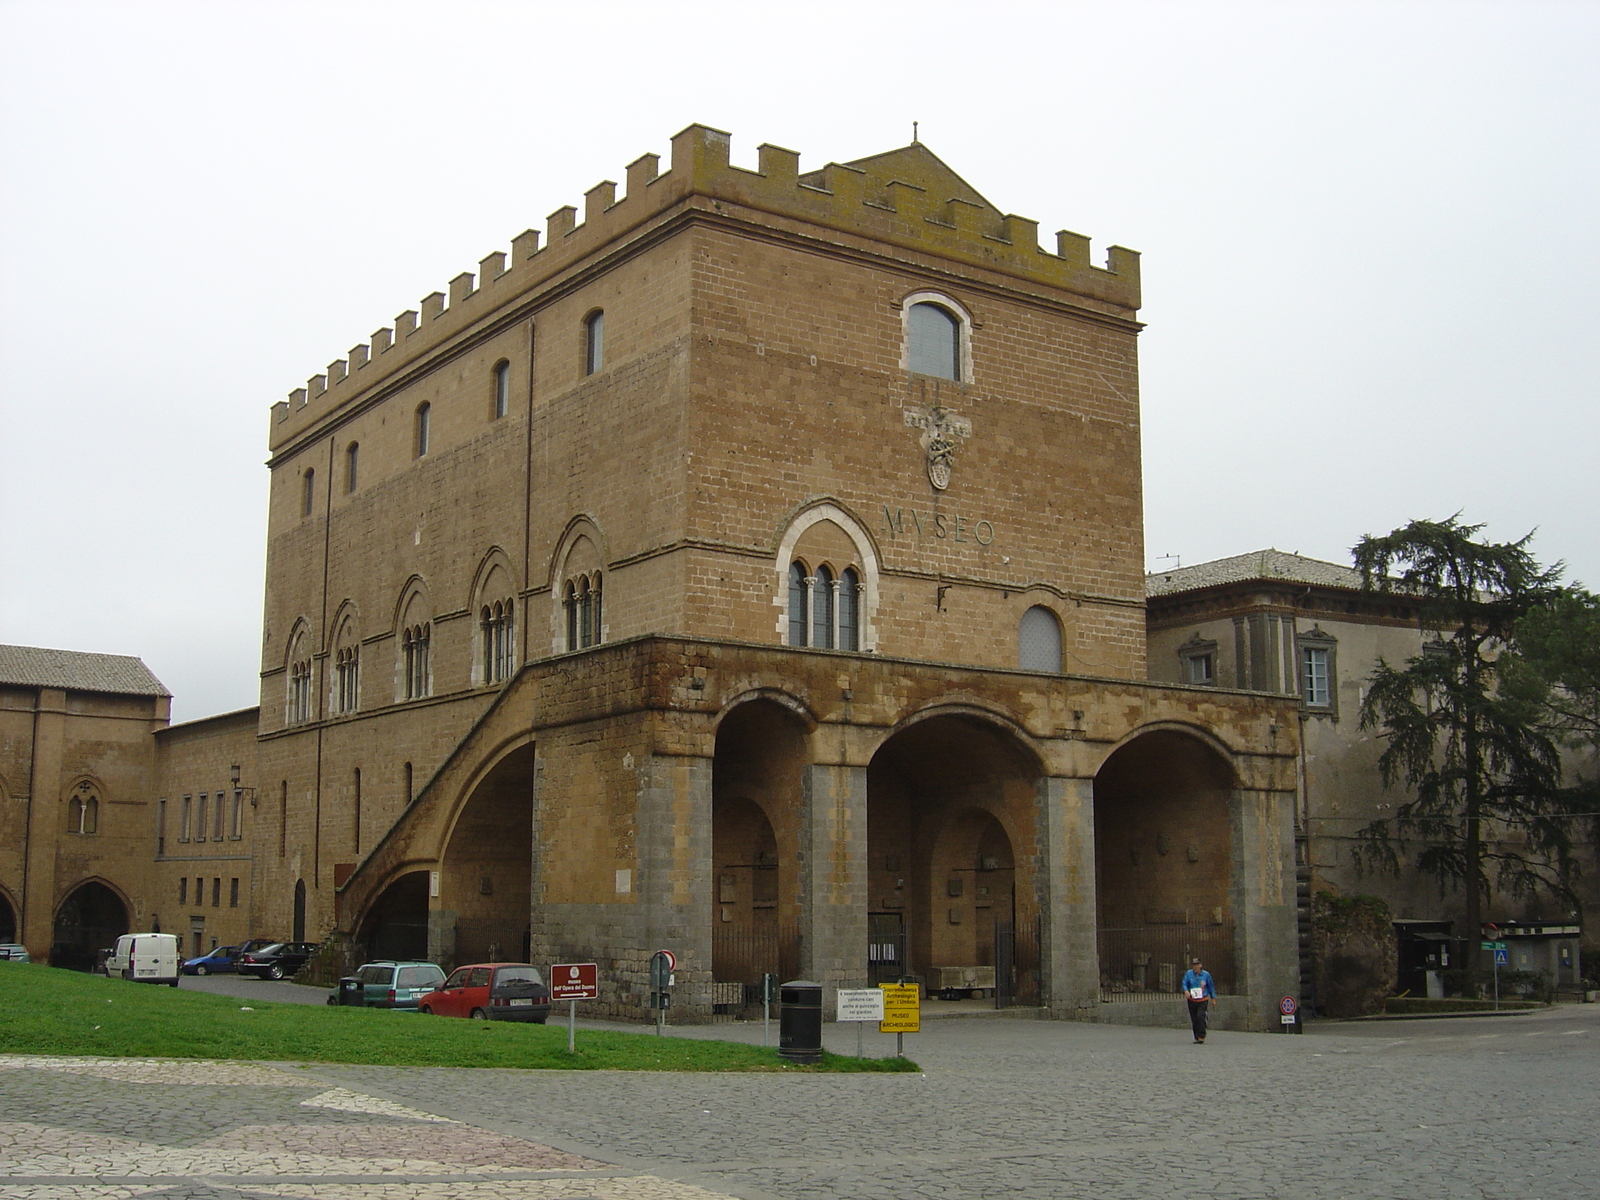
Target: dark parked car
<point x="276" y="961"/>
<point x="389" y="984"/>
<point x="491" y="992"/>
<point x="220" y="961"/>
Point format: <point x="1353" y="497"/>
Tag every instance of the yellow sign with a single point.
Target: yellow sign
<point x="902" y="1008"/>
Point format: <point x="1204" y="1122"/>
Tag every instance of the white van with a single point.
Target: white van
<point x="146" y="958"/>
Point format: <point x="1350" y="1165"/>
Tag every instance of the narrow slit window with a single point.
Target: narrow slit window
<point x="594" y="336"/>
<point x="424" y="415"/>
<point x="502" y="389"/>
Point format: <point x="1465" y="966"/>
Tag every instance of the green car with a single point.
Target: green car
<point x="387" y="984"/>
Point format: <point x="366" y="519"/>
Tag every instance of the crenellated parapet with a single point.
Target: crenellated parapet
<point x="907" y="199"/>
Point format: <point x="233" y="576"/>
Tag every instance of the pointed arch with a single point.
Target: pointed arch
<point x="299" y="657"/>
<point x="493" y="603"/>
<point x="823" y="536"/>
<point x="414" y="634"/>
<point x="577" y="571"/>
<point x="84" y="798"/>
<point x="344" y="686"/>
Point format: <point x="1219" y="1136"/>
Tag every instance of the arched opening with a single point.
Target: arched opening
<point x="299" y="910"/>
<point x="755" y="829"/>
<point x="8" y="920"/>
<point x="486" y="875"/>
<point x="950" y="843"/>
<point x="92" y="918"/>
<point x="1163" y="865"/>
<point x="396" y="926"/>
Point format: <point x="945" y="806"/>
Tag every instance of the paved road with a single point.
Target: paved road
<point x="248" y="987"/>
<point x="1480" y="1108"/>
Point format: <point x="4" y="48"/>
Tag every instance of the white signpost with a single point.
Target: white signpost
<point x="858" y="1005"/>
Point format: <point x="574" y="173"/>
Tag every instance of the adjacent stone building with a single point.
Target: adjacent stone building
<point x="1282" y="623"/>
<point x="752" y="569"/>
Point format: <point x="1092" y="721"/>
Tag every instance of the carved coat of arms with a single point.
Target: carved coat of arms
<point x="940" y="431"/>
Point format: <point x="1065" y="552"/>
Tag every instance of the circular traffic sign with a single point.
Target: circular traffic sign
<point x="1287" y="1006"/>
<point x="672" y="959"/>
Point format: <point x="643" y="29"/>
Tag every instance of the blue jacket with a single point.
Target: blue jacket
<point x="1202" y="979"/>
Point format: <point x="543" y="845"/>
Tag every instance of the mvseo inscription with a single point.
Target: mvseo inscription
<point x="955" y="527"/>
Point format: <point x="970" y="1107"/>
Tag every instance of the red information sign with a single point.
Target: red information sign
<point x="575" y="981"/>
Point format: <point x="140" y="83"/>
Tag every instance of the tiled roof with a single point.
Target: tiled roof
<point x="35" y="666"/>
<point x="1258" y="564"/>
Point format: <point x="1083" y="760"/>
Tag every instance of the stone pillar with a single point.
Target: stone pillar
<point x="674" y="884"/>
<point x="1266" y="936"/>
<point x="1068" y="958"/>
<point x="833" y="877"/>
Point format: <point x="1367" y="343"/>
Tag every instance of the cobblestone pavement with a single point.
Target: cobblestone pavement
<point x="1467" y="1108"/>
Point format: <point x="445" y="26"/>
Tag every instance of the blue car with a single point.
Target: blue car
<point x="218" y="962"/>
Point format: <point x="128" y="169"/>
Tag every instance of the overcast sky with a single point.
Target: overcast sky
<point x="1371" y="258"/>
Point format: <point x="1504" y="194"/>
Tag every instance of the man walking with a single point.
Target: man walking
<point x="1200" y="994"/>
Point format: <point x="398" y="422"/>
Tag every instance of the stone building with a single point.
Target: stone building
<point x="753" y="569"/>
<point x="1282" y="623"/>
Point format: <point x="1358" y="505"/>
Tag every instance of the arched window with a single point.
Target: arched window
<point x="502" y="388"/>
<point x="594" y="332"/>
<point x="308" y="492"/>
<point x="497" y="623"/>
<point x="825" y="561"/>
<point x="933" y="341"/>
<point x="582" y="600"/>
<point x="352" y="459"/>
<point x="347" y="681"/>
<point x="849" y="609"/>
<point x="822" y="608"/>
<point x="83" y="810"/>
<point x="414" y="651"/>
<point x="799" y="605"/>
<point x="297" y="702"/>
<point x="421" y="439"/>
<point x="1039" y="641"/>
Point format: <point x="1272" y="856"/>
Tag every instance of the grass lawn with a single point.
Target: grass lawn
<point x="48" y="1011"/>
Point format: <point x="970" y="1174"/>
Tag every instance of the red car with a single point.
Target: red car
<point x="491" y="992"/>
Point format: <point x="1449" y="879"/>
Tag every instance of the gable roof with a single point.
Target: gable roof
<point x="1257" y="565"/>
<point x="914" y="164"/>
<point x="78" y="670"/>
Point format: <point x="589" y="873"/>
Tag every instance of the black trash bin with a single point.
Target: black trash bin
<point x="800" y="1021"/>
<point x="351" y="992"/>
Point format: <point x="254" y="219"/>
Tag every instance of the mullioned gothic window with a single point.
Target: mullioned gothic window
<point x="824" y="609"/>
<point x="498" y="624"/>
<point x="414" y="649"/>
<point x="83" y="809"/>
<point x="347" y="679"/>
<point x="581" y="599"/>
<point x="300" y="692"/>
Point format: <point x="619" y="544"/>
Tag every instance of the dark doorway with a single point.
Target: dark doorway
<point x="397" y="924"/>
<point x="92" y="918"/>
<point x="8" y="921"/>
